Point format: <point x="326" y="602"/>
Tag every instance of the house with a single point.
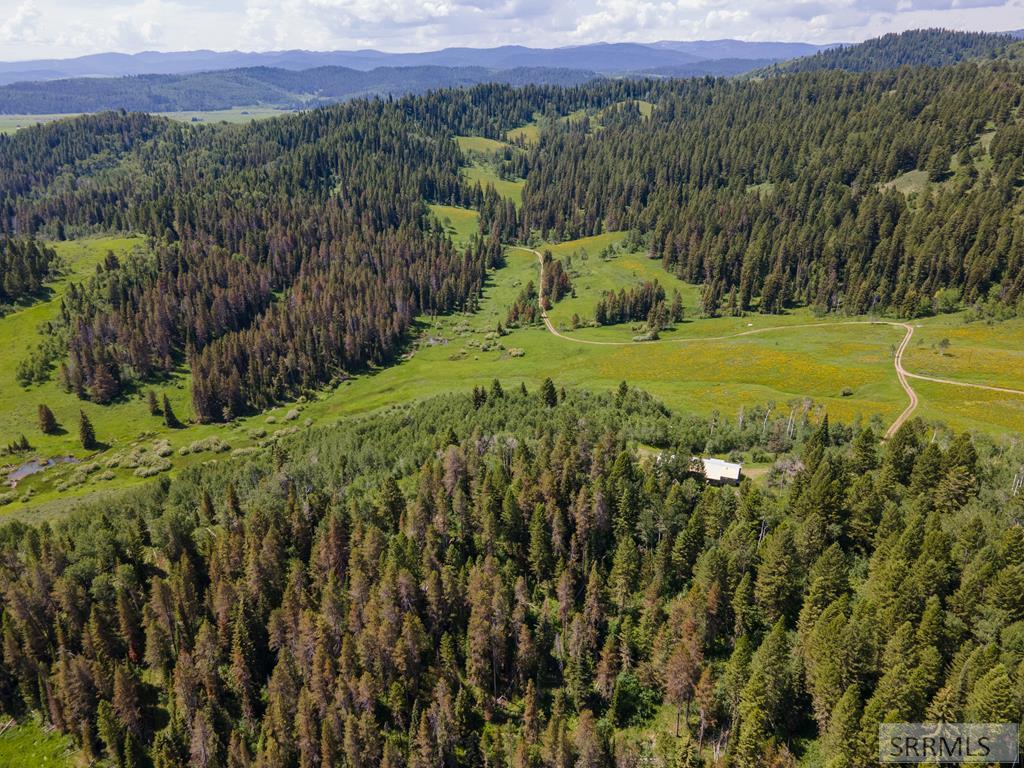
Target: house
<point x="715" y="470"/>
<point x="718" y="471"/>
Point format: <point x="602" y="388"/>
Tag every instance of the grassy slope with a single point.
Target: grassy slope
<point x="469" y="144"/>
<point x="121" y="426"/>
<point x="529" y="133"/>
<point x="485" y="174"/>
<point x="482" y="154"/>
<point x="700" y="377"/>
<point x="592" y="275"/>
<point x="29" y="744"/>
<point x="460" y="223"/>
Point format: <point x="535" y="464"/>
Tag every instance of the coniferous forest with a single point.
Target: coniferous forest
<point x="519" y="578"/>
<point x="500" y="580"/>
<point x="24" y="265"/>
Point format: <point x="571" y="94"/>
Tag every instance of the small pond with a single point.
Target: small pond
<point x="32" y="466"/>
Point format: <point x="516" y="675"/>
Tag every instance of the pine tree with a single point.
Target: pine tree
<point x="47" y="421"/>
<point x="681" y="673"/>
<point x="625" y="566"/>
<point x="85" y="432"/>
<point x="152" y="403"/>
<point x="865" y="453"/>
<point x="777" y="589"/>
<point x="994" y="698"/>
<point x="548" y="394"/>
<point x="764" y="699"/>
<point x="704" y="696"/>
<point x="840" y="738"/>
<point x="169" y="418"/>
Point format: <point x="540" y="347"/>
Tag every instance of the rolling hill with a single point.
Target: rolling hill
<point x="258" y="85"/>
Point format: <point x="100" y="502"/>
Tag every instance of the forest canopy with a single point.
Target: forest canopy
<point x="502" y="580"/>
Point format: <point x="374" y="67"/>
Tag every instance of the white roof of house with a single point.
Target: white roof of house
<point x="716" y="469"/>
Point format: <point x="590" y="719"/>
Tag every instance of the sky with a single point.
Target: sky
<point x="33" y="29"/>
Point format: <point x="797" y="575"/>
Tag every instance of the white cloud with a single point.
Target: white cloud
<point x="22" y="26"/>
<point x="40" y="28"/>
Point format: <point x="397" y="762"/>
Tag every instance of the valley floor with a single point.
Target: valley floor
<point x="844" y="366"/>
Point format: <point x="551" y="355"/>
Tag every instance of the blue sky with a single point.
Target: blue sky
<point x="60" y="28"/>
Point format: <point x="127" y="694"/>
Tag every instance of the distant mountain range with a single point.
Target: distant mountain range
<point x="605" y="58"/>
<point x="208" y="80"/>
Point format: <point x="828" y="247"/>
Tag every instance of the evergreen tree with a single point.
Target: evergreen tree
<point x="47" y="421"/>
<point x="86" y="435"/>
<point x="169" y="418"/>
<point x="548" y="395"/>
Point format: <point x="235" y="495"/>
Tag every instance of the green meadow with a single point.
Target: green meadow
<point x="131" y="438"/>
<point x="460" y="223"/>
<point x="11" y="123"/>
<point x="485" y="175"/>
<point x="598" y="264"/>
<point x="480" y="145"/>
<point x="483" y="155"/>
<point x="459" y="352"/>
<point x="233" y="115"/>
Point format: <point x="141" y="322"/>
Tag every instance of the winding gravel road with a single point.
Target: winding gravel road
<point x="901" y="373"/>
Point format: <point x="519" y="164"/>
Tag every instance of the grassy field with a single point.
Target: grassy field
<point x="485" y="174"/>
<point x="11" y="123"/>
<point x="29" y="744"/>
<point x="688" y="370"/>
<point x="460" y="223"/>
<point x="457" y="353"/>
<point x="528" y="134"/>
<point x="978" y="352"/>
<point x="480" y="145"/>
<point x="234" y="115"/>
<point x="593" y="273"/>
<point x="483" y="155"/>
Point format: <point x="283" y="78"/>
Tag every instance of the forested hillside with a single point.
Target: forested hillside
<point x="916" y="48"/>
<point x="501" y="580"/>
<point x="325" y="208"/>
<point x="24" y="265"/>
<point x="229" y="88"/>
<point x="773" y="193"/>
